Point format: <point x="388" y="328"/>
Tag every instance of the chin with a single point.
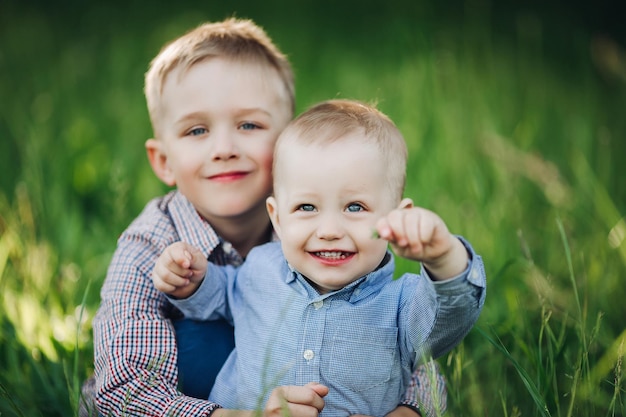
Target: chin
<point x="235" y="210"/>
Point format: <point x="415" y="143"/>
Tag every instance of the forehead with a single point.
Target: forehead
<point x="226" y="73"/>
<point x="349" y="160"/>
<point x="218" y="85"/>
<point x="294" y="145"/>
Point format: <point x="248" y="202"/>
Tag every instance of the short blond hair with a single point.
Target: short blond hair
<point x="239" y="40"/>
<point x="332" y="120"/>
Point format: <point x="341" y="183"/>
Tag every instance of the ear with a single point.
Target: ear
<point x="272" y="210"/>
<point x="158" y="162"/>
<point x="405" y="203"/>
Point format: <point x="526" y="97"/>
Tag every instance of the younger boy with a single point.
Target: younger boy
<point x="218" y="97"/>
<point x="326" y="308"/>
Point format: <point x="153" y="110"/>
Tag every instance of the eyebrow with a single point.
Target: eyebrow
<point x="252" y="110"/>
<point x="190" y="116"/>
<point x="238" y="113"/>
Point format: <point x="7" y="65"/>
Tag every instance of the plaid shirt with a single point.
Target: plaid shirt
<point x="134" y="341"/>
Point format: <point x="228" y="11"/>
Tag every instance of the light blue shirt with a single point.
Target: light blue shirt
<point x="362" y="341"/>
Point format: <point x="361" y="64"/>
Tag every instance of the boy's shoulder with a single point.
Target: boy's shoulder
<point x="154" y="219"/>
<point x="168" y="219"/>
<point x="265" y="258"/>
<point x="268" y="251"/>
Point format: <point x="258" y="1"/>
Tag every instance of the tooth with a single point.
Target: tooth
<point x="333" y="254"/>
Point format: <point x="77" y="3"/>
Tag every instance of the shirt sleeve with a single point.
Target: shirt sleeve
<point x="457" y="303"/>
<point x="134" y="341"/>
<point x="427" y="392"/>
<point x="209" y="302"/>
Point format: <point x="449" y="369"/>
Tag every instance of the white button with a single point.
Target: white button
<point x="308" y="354"/>
<point x="474" y="274"/>
<point x="227" y="247"/>
<point x="318" y="304"/>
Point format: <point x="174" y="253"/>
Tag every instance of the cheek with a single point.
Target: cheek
<point x="291" y="243"/>
<point x="374" y="245"/>
<point x="263" y="151"/>
<point x="294" y="233"/>
<point x="264" y="164"/>
<point x="266" y="157"/>
<point x="185" y="158"/>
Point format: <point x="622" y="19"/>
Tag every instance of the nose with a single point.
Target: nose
<point x="329" y="227"/>
<point x="224" y="146"/>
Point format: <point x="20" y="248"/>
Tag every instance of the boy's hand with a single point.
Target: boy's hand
<point x="419" y="234"/>
<point x="179" y="270"/>
<point x="292" y="400"/>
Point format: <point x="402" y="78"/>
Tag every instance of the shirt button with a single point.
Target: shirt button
<point x="308" y="354"/>
<point x="227" y="247"/>
<point x="474" y="275"/>
<point x="318" y="304"/>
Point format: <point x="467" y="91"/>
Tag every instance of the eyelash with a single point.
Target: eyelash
<point x="301" y="207"/>
<point x="249" y="124"/>
<point x="199" y="131"/>
<point x="195" y="131"/>
<point x="359" y="207"/>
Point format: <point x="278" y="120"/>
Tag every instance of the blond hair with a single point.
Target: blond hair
<point x="239" y="40"/>
<point x="332" y="120"/>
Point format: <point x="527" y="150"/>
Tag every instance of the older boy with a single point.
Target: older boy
<point x="326" y="308"/>
<point x="218" y="97"/>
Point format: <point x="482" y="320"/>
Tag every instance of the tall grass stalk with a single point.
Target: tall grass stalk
<point x="531" y="387"/>
<point x="6" y="394"/>
<point x="74" y="381"/>
<point x="582" y="363"/>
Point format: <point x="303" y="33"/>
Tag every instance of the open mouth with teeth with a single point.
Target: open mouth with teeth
<point x="333" y="256"/>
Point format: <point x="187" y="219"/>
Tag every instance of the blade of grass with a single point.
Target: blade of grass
<point x="5" y="393"/>
<point x="526" y="379"/>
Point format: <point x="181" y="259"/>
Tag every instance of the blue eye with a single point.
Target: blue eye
<point x="306" y="207"/>
<point x="249" y="126"/>
<point x="355" y="208"/>
<point x="198" y="131"/>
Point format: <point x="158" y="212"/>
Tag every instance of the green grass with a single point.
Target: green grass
<point x="516" y="132"/>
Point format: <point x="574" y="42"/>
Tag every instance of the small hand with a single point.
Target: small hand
<point x="421" y="235"/>
<point x="301" y="401"/>
<point x="414" y="232"/>
<point x="179" y="270"/>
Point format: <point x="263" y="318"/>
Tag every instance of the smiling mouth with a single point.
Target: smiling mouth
<point x="228" y="176"/>
<point x="332" y="255"/>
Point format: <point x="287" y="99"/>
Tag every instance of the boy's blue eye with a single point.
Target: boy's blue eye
<point x="197" y="131"/>
<point x="355" y="207"/>
<point x="249" y="126"/>
<point x="306" y="207"/>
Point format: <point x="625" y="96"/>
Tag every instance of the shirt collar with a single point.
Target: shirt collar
<point x="196" y="230"/>
<point x="354" y="291"/>
<point x="192" y="227"/>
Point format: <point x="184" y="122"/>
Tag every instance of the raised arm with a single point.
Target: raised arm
<point x="134" y="341"/>
<point x="179" y="270"/>
<point x="421" y="235"/>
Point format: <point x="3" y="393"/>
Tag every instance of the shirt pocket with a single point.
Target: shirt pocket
<point x="362" y="357"/>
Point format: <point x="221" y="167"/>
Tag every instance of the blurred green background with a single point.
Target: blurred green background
<point x="515" y="118"/>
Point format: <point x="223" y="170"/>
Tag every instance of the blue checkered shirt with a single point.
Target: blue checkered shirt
<point x="363" y="341"/>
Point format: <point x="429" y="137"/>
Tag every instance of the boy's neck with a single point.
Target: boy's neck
<point x="245" y="232"/>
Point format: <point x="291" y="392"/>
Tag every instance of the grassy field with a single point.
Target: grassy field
<point x="517" y="131"/>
